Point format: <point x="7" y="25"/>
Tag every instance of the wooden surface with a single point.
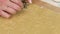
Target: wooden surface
<point x="32" y="20"/>
<point x="46" y="5"/>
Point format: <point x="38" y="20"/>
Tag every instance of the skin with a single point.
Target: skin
<point x="9" y="7"/>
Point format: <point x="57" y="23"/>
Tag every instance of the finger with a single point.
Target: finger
<point x="18" y="2"/>
<point x="4" y="14"/>
<point x="9" y="10"/>
<point x="30" y="1"/>
<point x="14" y="6"/>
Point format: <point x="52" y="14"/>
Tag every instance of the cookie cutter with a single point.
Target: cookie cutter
<point x="26" y="2"/>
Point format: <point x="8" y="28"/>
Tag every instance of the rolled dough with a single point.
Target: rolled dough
<point x="32" y="20"/>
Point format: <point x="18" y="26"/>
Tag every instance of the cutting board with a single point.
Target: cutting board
<point x="47" y="5"/>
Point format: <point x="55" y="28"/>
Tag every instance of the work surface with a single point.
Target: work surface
<point x="32" y="20"/>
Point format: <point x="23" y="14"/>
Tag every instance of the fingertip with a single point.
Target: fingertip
<point x="5" y="15"/>
<point x="30" y="1"/>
